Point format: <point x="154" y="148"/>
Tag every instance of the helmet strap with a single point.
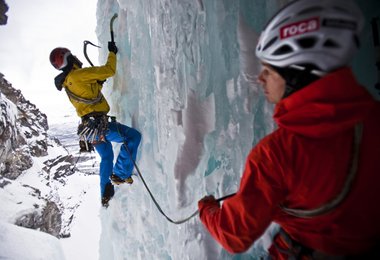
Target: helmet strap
<point x="77" y="62"/>
<point x="296" y="78"/>
<point x="71" y="60"/>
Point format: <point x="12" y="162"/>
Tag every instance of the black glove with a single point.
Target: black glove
<point x="112" y="47"/>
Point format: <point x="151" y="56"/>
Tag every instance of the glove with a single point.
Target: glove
<point x="208" y="202"/>
<point x="112" y="47"/>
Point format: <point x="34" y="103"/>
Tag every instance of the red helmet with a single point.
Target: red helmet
<point x="58" y="57"/>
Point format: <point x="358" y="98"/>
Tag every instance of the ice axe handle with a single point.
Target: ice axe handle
<point x="111" y="27"/>
<point x="112" y="37"/>
<point x="226" y="197"/>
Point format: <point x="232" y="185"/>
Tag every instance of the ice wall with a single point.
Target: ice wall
<point x="186" y="80"/>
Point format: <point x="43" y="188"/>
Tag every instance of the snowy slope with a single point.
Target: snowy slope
<point x="21" y="243"/>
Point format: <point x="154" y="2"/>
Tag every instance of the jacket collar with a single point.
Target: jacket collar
<point x="326" y="107"/>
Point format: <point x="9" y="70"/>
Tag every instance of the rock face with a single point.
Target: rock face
<point x="22" y="131"/>
<point x="22" y="126"/>
<point x="34" y="167"/>
<point x="3" y="11"/>
<point x="23" y="135"/>
<point x="49" y="221"/>
<point x="23" y="138"/>
<point x="52" y="219"/>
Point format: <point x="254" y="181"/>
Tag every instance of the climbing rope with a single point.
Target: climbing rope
<point x="156" y="203"/>
<point x="154" y="199"/>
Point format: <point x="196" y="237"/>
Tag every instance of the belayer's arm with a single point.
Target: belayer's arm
<point x="243" y="218"/>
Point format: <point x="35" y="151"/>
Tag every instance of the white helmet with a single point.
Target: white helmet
<point x="322" y="34"/>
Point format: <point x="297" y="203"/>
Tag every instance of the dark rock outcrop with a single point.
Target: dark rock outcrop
<point x="3" y="11"/>
<point x="49" y="221"/>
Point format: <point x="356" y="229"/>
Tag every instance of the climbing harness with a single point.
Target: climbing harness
<point x="93" y="128"/>
<point x="296" y="250"/>
<point x="329" y="206"/>
<point x="91" y="131"/>
<point x="154" y="199"/>
<point x="84" y="100"/>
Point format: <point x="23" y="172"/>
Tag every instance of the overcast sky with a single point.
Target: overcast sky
<point x="34" y="28"/>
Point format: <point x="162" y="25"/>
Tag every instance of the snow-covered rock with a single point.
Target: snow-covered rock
<point x="22" y="131"/>
<point x="35" y="168"/>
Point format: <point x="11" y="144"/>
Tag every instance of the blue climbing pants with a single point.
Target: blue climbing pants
<point x="123" y="167"/>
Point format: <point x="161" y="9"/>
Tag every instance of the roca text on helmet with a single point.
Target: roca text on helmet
<point x="322" y="34"/>
<point x="59" y="57"/>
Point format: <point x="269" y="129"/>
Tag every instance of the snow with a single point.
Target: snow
<point x="24" y="195"/>
<point x="86" y="226"/>
<point x="22" y="243"/>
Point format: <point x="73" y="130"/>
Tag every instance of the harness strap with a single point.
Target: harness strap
<point x="329" y="206"/>
<point x="294" y="249"/>
<point x="84" y="100"/>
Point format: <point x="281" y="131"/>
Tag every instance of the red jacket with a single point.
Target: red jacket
<point x="302" y="165"/>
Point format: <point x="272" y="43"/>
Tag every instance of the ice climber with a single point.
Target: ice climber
<point x="83" y="87"/>
<point x="317" y="175"/>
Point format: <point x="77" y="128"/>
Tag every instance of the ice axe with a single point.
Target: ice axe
<point x="85" y="43"/>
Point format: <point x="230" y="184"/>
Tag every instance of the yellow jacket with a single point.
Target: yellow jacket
<point x="83" y="83"/>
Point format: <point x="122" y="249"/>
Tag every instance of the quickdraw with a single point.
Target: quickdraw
<point x="92" y="130"/>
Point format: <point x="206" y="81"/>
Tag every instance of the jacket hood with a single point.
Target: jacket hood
<point x="326" y="107"/>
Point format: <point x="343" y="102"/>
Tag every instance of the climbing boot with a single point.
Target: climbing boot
<point x="108" y="194"/>
<point x="116" y="180"/>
